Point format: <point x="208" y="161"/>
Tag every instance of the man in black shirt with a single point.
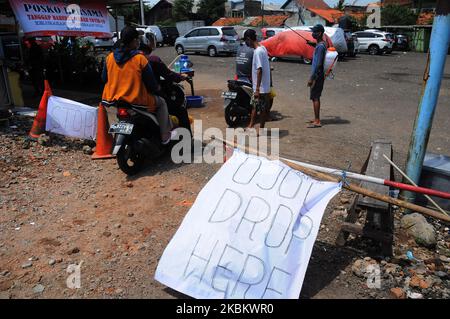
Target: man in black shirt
<point x="244" y="58"/>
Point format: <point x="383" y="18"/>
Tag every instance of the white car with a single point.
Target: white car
<point x="103" y="43"/>
<point x="153" y="29"/>
<point x="212" y="40"/>
<point x="375" y="41"/>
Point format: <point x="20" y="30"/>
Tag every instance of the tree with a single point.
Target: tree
<point x="211" y="10"/>
<point x="131" y="13"/>
<point x="340" y="5"/>
<point x="397" y="15"/>
<point x="182" y="9"/>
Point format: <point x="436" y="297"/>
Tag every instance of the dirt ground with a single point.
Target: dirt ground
<point x="58" y="207"/>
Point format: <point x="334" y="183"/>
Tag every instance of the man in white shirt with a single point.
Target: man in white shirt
<point x="260" y="79"/>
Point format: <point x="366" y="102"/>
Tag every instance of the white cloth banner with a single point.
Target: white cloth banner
<point x="64" y="18"/>
<point x="249" y="234"/>
<point x="70" y="118"/>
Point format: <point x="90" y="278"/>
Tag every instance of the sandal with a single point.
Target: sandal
<point x="313" y="125"/>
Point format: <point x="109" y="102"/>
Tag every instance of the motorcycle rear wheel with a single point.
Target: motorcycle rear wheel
<point x="129" y="161"/>
<point x="234" y="119"/>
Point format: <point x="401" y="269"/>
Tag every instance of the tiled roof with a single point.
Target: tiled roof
<point x="425" y="18"/>
<point x="318" y="4"/>
<point x="227" y="21"/>
<point x="272" y="21"/>
<point x="331" y="15"/>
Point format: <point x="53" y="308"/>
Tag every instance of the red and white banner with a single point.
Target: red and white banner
<point x="47" y="18"/>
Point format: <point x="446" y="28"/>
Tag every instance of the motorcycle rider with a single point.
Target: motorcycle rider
<point x="128" y="77"/>
<point x="162" y="72"/>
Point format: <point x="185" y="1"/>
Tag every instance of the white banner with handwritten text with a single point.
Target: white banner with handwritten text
<point x="249" y="234"/>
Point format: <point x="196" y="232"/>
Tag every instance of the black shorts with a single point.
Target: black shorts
<point x="316" y="90"/>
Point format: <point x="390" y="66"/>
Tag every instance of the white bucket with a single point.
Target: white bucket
<point x="331" y="59"/>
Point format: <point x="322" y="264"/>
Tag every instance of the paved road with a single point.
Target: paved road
<point x="371" y="97"/>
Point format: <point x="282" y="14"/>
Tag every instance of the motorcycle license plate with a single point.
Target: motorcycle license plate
<point x="229" y="95"/>
<point x="121" y="128"/>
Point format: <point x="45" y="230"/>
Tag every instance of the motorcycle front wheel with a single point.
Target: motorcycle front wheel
<point x="129" y="161"/>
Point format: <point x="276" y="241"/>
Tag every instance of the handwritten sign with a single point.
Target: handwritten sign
<point x="70" y="118"/>
<point x="249" y="234"/>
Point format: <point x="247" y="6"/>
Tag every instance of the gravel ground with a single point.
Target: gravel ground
<point x="57" y="207"/>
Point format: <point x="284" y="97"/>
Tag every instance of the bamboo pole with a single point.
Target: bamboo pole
<point x="348" y="186"/>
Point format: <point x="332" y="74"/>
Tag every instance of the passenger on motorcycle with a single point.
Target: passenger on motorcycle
<point x="244" y="60"/>
<point x="128" y="77"/>
<point x="164" y="74"/>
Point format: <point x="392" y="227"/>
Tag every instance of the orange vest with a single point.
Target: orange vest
<point x="125" y="82"/>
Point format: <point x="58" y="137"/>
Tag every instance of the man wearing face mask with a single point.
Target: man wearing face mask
<point x="317" y="78"/>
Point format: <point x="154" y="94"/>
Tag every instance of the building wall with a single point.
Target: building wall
<point x="309" y="19"/>
<point x="252" y="8"/>
<point x="159" y="14"/>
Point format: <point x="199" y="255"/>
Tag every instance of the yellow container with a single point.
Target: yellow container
<point x="15" y="88"/>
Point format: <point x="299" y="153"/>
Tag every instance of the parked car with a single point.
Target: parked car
<point x="44" y="42"/>
<point x="116" y="36"/>
<point x="100" y="43"/>
<point x="212" y="40"/>
<point x="10" y="46"/>
<point x="401" y="42"/>
<point x="374" y="42"/>
<point x="170" y="35"/>
<point x="154" y="29"/>
<point x="270" y="32"/>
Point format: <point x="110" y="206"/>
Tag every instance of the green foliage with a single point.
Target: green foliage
<point x="131" y="13"/>
<point x="167" y="23"/>
<point x="211" y="10"/>
<point x="397" y="15"/>
<point x="182" y="10"/>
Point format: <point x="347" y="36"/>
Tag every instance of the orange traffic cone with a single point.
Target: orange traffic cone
<point x="104" y="139"/>
<point x="39" y="121"/>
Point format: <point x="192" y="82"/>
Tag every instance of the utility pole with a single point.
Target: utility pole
<point x="262" y="15"/>
<point x="439" y="43"/>
<point x="141" y="3"/>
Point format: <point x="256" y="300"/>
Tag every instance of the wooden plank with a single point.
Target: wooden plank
<point x="352" y="217"/>
<point x="368" y="233"/>
<point x="377" y="167"/>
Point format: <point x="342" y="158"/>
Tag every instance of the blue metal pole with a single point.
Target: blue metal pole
<point x="440" y="38"/>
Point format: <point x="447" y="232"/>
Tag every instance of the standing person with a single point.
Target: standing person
<point x="317" y="78"/>
<point x="260" y="78"/>
<point x="128" y="77"/>
<point x="244" y="61"/>
<point x="36" y="65"/>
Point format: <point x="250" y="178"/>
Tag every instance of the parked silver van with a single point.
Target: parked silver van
<point x="211" y="40"/>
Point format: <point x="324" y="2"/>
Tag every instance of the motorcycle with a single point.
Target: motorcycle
<point x="237" y="103"/>
<point x="137" y="135"/>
